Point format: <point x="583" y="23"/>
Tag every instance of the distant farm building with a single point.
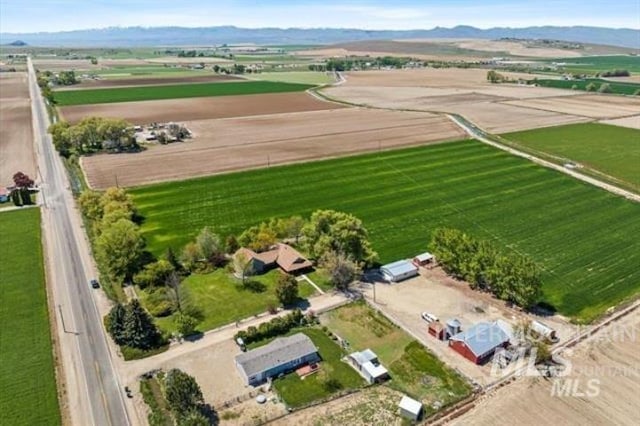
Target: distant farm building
<point x="410" y="408"/>
<point x="480" y="342"/>
<point x="282" y="255"/>
<point x="424" y="259"/>
<point x="283" y="355"/>
<point x="4" y="195"/>
<point x="398" y="271"/>
<point x="367" y="364"/>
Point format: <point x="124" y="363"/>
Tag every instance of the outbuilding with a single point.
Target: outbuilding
<point x="4" y="195"/>
<point x="480" y="342"/>
<point x="424" y="259"/>
<point x="399" y="271"/>
<point x="367" y="364"/>
<point x="544" y="330"/>
<point x="410" y="408"/>
<point x="436" y="329"/>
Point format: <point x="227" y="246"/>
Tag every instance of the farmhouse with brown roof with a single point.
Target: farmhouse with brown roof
<point x="282" y="255"/>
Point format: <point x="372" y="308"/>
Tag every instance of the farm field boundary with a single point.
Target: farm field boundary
<point x="582" y="236"/>
<point x="27" y="381"/>
<point x="144" y="93"/>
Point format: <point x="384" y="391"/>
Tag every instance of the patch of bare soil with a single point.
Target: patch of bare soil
<point x="253" y="142"/>
<point x="593" y="106"/>
<point x="631" y="122"/>
<point x="373" y="406"/>
<point x="144" y="112"/>
<point x="16" y="134"/>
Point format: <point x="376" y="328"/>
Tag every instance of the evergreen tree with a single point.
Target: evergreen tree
<point x="182" y="392"/>
<point x="139" y="330"/>
<point x="115" y="323"/>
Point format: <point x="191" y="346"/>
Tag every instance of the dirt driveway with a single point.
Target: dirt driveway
<point x="446" y="298"/>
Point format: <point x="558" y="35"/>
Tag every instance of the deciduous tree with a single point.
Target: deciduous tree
<point x="342" y="270"/>
<point x="287" y="289"/>
<point x="182" y="392"/>
<point x="118" y="248"/>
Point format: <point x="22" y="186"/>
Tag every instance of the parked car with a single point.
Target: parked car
<point x="128" y="392"/>
<point x="240" y="343"/>
<point x="94" y="283"/>
<point x="429" y="317"/>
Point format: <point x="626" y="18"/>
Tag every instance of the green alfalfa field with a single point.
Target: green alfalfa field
<point x="611" y="150"/>
<point x="27" y="381"/>
<point x="584" y="238"/>
<point x="173" y="91"/>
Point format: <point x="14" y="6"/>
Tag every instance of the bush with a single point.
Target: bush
<point x="276" y="327"/>
<point x="158" y="303"/>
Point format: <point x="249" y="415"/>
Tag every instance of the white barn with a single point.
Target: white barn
<point x="398" y="271"/>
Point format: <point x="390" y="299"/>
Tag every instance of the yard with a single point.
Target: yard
<point x="608" y="149"/>
<point x="298" y="392"/>
<point x="583" y="237"/>
<point x="175" y="91"/>
<point x="27" y="382"/>
<point x="222" y="299"/>
<point x="413" y="369"/>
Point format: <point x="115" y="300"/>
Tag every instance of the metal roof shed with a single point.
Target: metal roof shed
<point x="410" y="408"/>
<point x="398" y="271"/>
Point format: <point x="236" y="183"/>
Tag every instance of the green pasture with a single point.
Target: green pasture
<point x="619" y="88"/>
<point x="584" y="238"/>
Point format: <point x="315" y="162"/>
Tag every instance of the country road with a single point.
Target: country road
<point x="93" y="393"/>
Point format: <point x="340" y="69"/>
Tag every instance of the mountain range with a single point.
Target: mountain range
<point x="180" y="36"/>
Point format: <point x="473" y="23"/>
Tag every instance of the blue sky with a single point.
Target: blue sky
<point x="60" y="15"/>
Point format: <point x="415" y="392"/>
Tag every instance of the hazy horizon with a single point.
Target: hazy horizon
<point x="32" y="16"/>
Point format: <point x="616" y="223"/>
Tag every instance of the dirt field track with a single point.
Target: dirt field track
<point x="200" y="108"/>
<point x="151" y="81"/>
<point x="612" y="357"/>
<point x="495" y="107"/>
<point x="16" y="134"/>
<point x="250" y="142"/>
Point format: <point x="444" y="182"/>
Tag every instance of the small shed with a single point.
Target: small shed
<point x="424" y="259"/>
<point x="410" y="408"/>
<point x="399" y="271"/>
<point x="544" y="330"/>
<point x="367" y="364"/>
<point x="4" y="195"/>
<point x="436" y="329"/>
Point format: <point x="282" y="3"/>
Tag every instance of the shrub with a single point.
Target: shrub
<point x="158" y="303"/>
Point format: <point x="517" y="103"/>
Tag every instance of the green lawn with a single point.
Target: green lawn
<point x="413" y="369"/>
<point x="27" y="382"/>
<point x="300" y="77"/>
<point x="222" y="299"/>
<point x="620" y="88"/>
<point x="296" y="392"/>
<point x="584" y="238"/>
<point x="175" y="91"/>
<point x="612" y="150"/>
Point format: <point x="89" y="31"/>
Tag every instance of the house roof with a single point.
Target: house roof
<point x="374" y="371"/>
<point x="364" y="356"/>
<point x="287" y="258"/>
<point x="410" y="405"/>
<point x="281" y="351"/>
<point x="290" y="260"/>
<point x="424" y="257"/>
<point x="483" y="337"/>
<point x="400" y="267"/>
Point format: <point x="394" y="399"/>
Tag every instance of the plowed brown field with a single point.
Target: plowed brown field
<point x="199" y="108"/>
<point x="253" y="142"/>
<point x="16" y="134"/>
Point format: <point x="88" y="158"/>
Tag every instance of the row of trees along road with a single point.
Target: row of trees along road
<point x="509" y="276"/>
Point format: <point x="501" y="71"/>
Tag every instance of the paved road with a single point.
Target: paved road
<point x="94" y="394"/>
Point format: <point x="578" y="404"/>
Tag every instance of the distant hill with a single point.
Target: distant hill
<point x="177" y="36"/>
<point x="17" y="43"/>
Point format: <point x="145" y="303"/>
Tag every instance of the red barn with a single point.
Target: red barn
<point x="479" y="343"/>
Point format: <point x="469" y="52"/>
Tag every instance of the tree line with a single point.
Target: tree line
<point x="93" y="134"/>
<point x="509" y="276"/>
